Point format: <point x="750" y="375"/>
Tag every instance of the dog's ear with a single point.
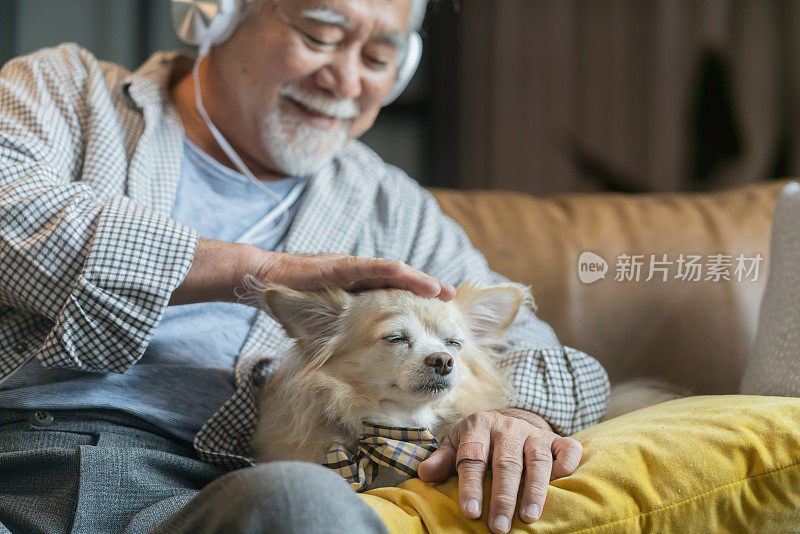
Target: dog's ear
<point x="310" y="317"/>
<point x="489" y="311"/>
<point x="306" y="315"/>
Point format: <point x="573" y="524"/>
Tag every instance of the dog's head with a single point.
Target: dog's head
<point x="402" y="350"/>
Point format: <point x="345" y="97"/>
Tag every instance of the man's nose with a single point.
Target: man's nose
<point x="342" y="76"/>
<point x="441" y="362"/>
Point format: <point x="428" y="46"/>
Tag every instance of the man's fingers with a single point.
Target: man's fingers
<point x="567" y="453"/>
<point x="439" y="465"/>
<point x="399" y="283"/>
<point x="506" y="473"/>
<point x="538" y="466"/>
<point x="310" y="272"/>
<point x="444" y="292"/>
<point x="378" y="272"/>
<point x="369" y="283"/>
<point x="398" y="274"/>
<point x="471" y="462"/>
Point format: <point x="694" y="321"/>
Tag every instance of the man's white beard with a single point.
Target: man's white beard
<point x="296" y="147"/>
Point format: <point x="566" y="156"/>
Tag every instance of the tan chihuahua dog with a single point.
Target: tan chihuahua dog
<point x="385" y="357"/>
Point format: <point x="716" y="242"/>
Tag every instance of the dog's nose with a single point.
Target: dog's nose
<point x="441" y="361"/>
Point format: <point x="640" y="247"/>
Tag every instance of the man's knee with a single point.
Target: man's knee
<point x="295" y="497"/>
<point x="291" y="483"/>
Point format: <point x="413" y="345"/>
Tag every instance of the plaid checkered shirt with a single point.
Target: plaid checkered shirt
<point x="401" y="449"/>
<point x="90" y="158"/>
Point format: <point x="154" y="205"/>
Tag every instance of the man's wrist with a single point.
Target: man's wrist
<point x="217" y="269"/>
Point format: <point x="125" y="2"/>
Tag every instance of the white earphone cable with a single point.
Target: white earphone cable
<point x="258" y="229"/>
<point x="223" y="143"/>
<point x="283" y="205"/>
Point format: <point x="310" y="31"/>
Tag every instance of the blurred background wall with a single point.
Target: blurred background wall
<point x="544" y="96"/>
<point x="633" y="95"/>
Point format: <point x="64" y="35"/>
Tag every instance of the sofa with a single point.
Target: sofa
<point x="713" y="461"/>
<point x="692" y="334"/>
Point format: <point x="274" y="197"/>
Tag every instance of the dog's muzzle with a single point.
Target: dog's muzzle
<point x="439" y="375"/>
<point x="441" y="362"/>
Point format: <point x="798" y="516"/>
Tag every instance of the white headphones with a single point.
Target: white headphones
<point x="210" y="22"/>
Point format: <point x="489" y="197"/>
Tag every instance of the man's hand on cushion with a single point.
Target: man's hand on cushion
<point x="308" y="272"/>
<point x="518" y="444"/>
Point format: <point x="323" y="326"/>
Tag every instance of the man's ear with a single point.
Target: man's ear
<point x="489" y="311"/>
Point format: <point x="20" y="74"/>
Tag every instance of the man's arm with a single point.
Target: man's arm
<point x="101" y="271"/>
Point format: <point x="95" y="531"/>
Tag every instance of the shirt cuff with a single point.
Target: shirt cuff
<point x="137" y="259"/>
<point x="565" y="386"/>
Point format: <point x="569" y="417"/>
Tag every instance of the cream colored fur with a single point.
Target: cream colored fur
<point x="349" y="364"/>
<point x="344" y="368"/>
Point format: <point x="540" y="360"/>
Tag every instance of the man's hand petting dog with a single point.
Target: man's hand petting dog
<point x="517" y="443"/>
<point x="309" y="272"/>
<point x="219" y="267"/>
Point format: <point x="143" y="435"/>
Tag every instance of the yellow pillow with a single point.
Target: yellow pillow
<point x="700" y="464"/>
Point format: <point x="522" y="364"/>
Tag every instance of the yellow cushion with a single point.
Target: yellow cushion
<point x="699" y="464"/>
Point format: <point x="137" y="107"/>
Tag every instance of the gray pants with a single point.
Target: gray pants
<point x="105" y="471"/>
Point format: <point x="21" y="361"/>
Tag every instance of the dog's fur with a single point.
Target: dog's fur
<point x="361" y="357"/>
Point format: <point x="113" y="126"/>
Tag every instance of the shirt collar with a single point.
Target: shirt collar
<point x="150" y="83"/>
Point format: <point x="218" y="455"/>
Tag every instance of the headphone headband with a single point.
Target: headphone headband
<point x="205" y="23"/>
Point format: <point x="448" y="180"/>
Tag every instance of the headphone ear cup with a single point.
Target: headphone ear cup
<point x="406" y="70"/>
<point x="206" y="22"/>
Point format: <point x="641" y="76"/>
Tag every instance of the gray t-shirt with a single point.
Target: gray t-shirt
<point x="186" y="373"/>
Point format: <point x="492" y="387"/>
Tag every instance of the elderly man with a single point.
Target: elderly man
<point x="131" y="207"/>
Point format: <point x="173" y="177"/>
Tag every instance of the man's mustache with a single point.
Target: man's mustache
<point x="322" y="104"/>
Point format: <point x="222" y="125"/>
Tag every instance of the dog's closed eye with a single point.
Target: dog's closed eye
<point x="457" y="343"/>
<point x="396" y="339"/>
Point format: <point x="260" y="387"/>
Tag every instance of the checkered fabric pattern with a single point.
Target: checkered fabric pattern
<point x="402" y="449"/>
<point x="89" y="167"/>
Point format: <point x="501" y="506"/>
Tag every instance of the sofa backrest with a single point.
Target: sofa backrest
<point x="696" y="334"/>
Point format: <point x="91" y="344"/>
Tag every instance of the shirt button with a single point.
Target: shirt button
<point x="41" y="418"/>
<point x="20" y="347"/>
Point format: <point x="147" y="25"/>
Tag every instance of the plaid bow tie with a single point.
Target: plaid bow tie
<point x="402" y="449"/>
